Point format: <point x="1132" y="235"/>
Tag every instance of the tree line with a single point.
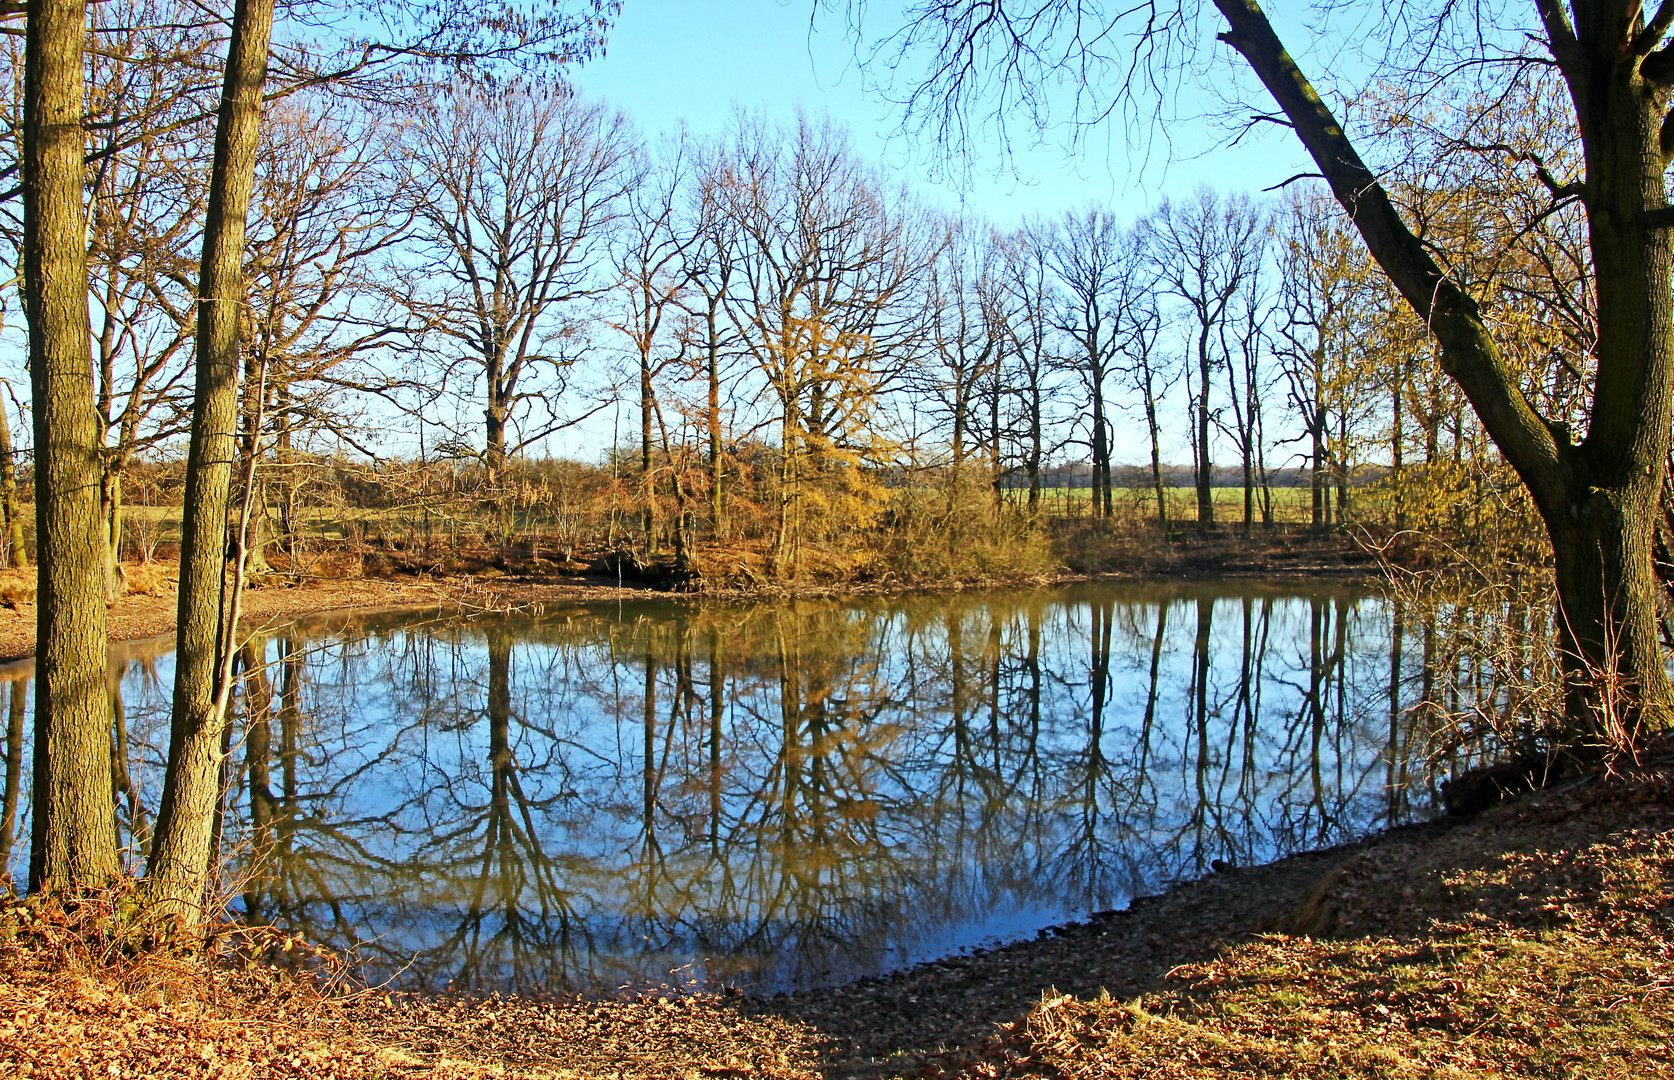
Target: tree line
<point x="466" y="277"/>
<point x="1533" y="251"/>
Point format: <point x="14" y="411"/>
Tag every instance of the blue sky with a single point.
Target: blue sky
<point x="698" y="60"/>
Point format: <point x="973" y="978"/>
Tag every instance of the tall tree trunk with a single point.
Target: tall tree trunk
<point x="74" y="831"/>
<point x="713" y="419"/>
<point x="177" y="873"/>
<point x="17" y="554"/>
<point x="1101" y="450"/>
<point x="1036" y="439"/>
<point x="995" y="486"/>
<point x="784" y="545"/>
<point x="1397" y="477"/>
<point x="1155" y="433"/>
<point x="110" y="514"/>
<point x="1205" y="468"/>
<point x="250" y="448"/>
<point x="1316" y="478"/>
<point x="290" y="540"/>
<point x="1340" y="469"/>
<point x="647" y="479"/>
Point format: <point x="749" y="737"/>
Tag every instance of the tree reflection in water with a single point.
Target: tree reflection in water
<point x="784" y="795"/>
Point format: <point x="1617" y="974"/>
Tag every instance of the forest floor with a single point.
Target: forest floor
<point x="1534" y="940"/>
<point x="486" y="581"/>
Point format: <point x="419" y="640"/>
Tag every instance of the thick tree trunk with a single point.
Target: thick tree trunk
<point x="1609" y="648"/>
<point x="494" y="451"/>
<point x="74" y="831"/>
<point x="178" y="869"/>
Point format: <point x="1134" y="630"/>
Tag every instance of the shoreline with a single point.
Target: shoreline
<point x="1534" y="939"/>
<point x="140" y="615"/>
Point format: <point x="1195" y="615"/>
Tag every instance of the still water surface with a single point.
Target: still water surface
<point x="788" y="795"/>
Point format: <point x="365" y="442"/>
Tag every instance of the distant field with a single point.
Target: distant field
<point x="161" y="524"/>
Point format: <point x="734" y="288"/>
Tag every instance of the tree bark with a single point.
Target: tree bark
<point x="1205" y="467"/>
<point x="647" y="479"/>
<point x="712" y="419"/>
<point x="178" y="869"/>
<point x="74" y="829"/>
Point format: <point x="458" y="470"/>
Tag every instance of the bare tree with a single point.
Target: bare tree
<point x="1207" y="249"/>
<point x="325" y="217"/>
<point x="710" y="271"/>
<point x="514" y="190"/>
<point x="1244" y="345"/>
<point x="1089" y="257"/>
<point x="967" y="337"/>
<point x="1145" y="368"/>
<point x="828" y="306"/>
<point x="1032" y="302"/>
<point x="651" y="264"/>
<point x="1319" y="265"/>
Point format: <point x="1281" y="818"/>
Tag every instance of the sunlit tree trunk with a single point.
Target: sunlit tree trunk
<point x="176" y="874"/>
<point x="74" y="828"/>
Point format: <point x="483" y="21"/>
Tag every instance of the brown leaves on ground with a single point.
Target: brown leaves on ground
<point x="79" y="1000"/>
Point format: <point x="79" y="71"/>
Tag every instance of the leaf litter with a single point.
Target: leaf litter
<point x="1536" y="940"/>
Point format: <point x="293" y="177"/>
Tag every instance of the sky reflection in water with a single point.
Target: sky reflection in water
<point x="781" y="796"/>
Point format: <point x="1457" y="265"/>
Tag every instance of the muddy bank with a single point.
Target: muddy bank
<point x="1592" y="860"/>
<point x="149" y="609"/>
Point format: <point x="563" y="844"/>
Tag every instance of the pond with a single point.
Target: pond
<point x="779" y="796"/>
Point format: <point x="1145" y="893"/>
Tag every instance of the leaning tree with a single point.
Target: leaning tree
<point x="1596" y="475"/>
